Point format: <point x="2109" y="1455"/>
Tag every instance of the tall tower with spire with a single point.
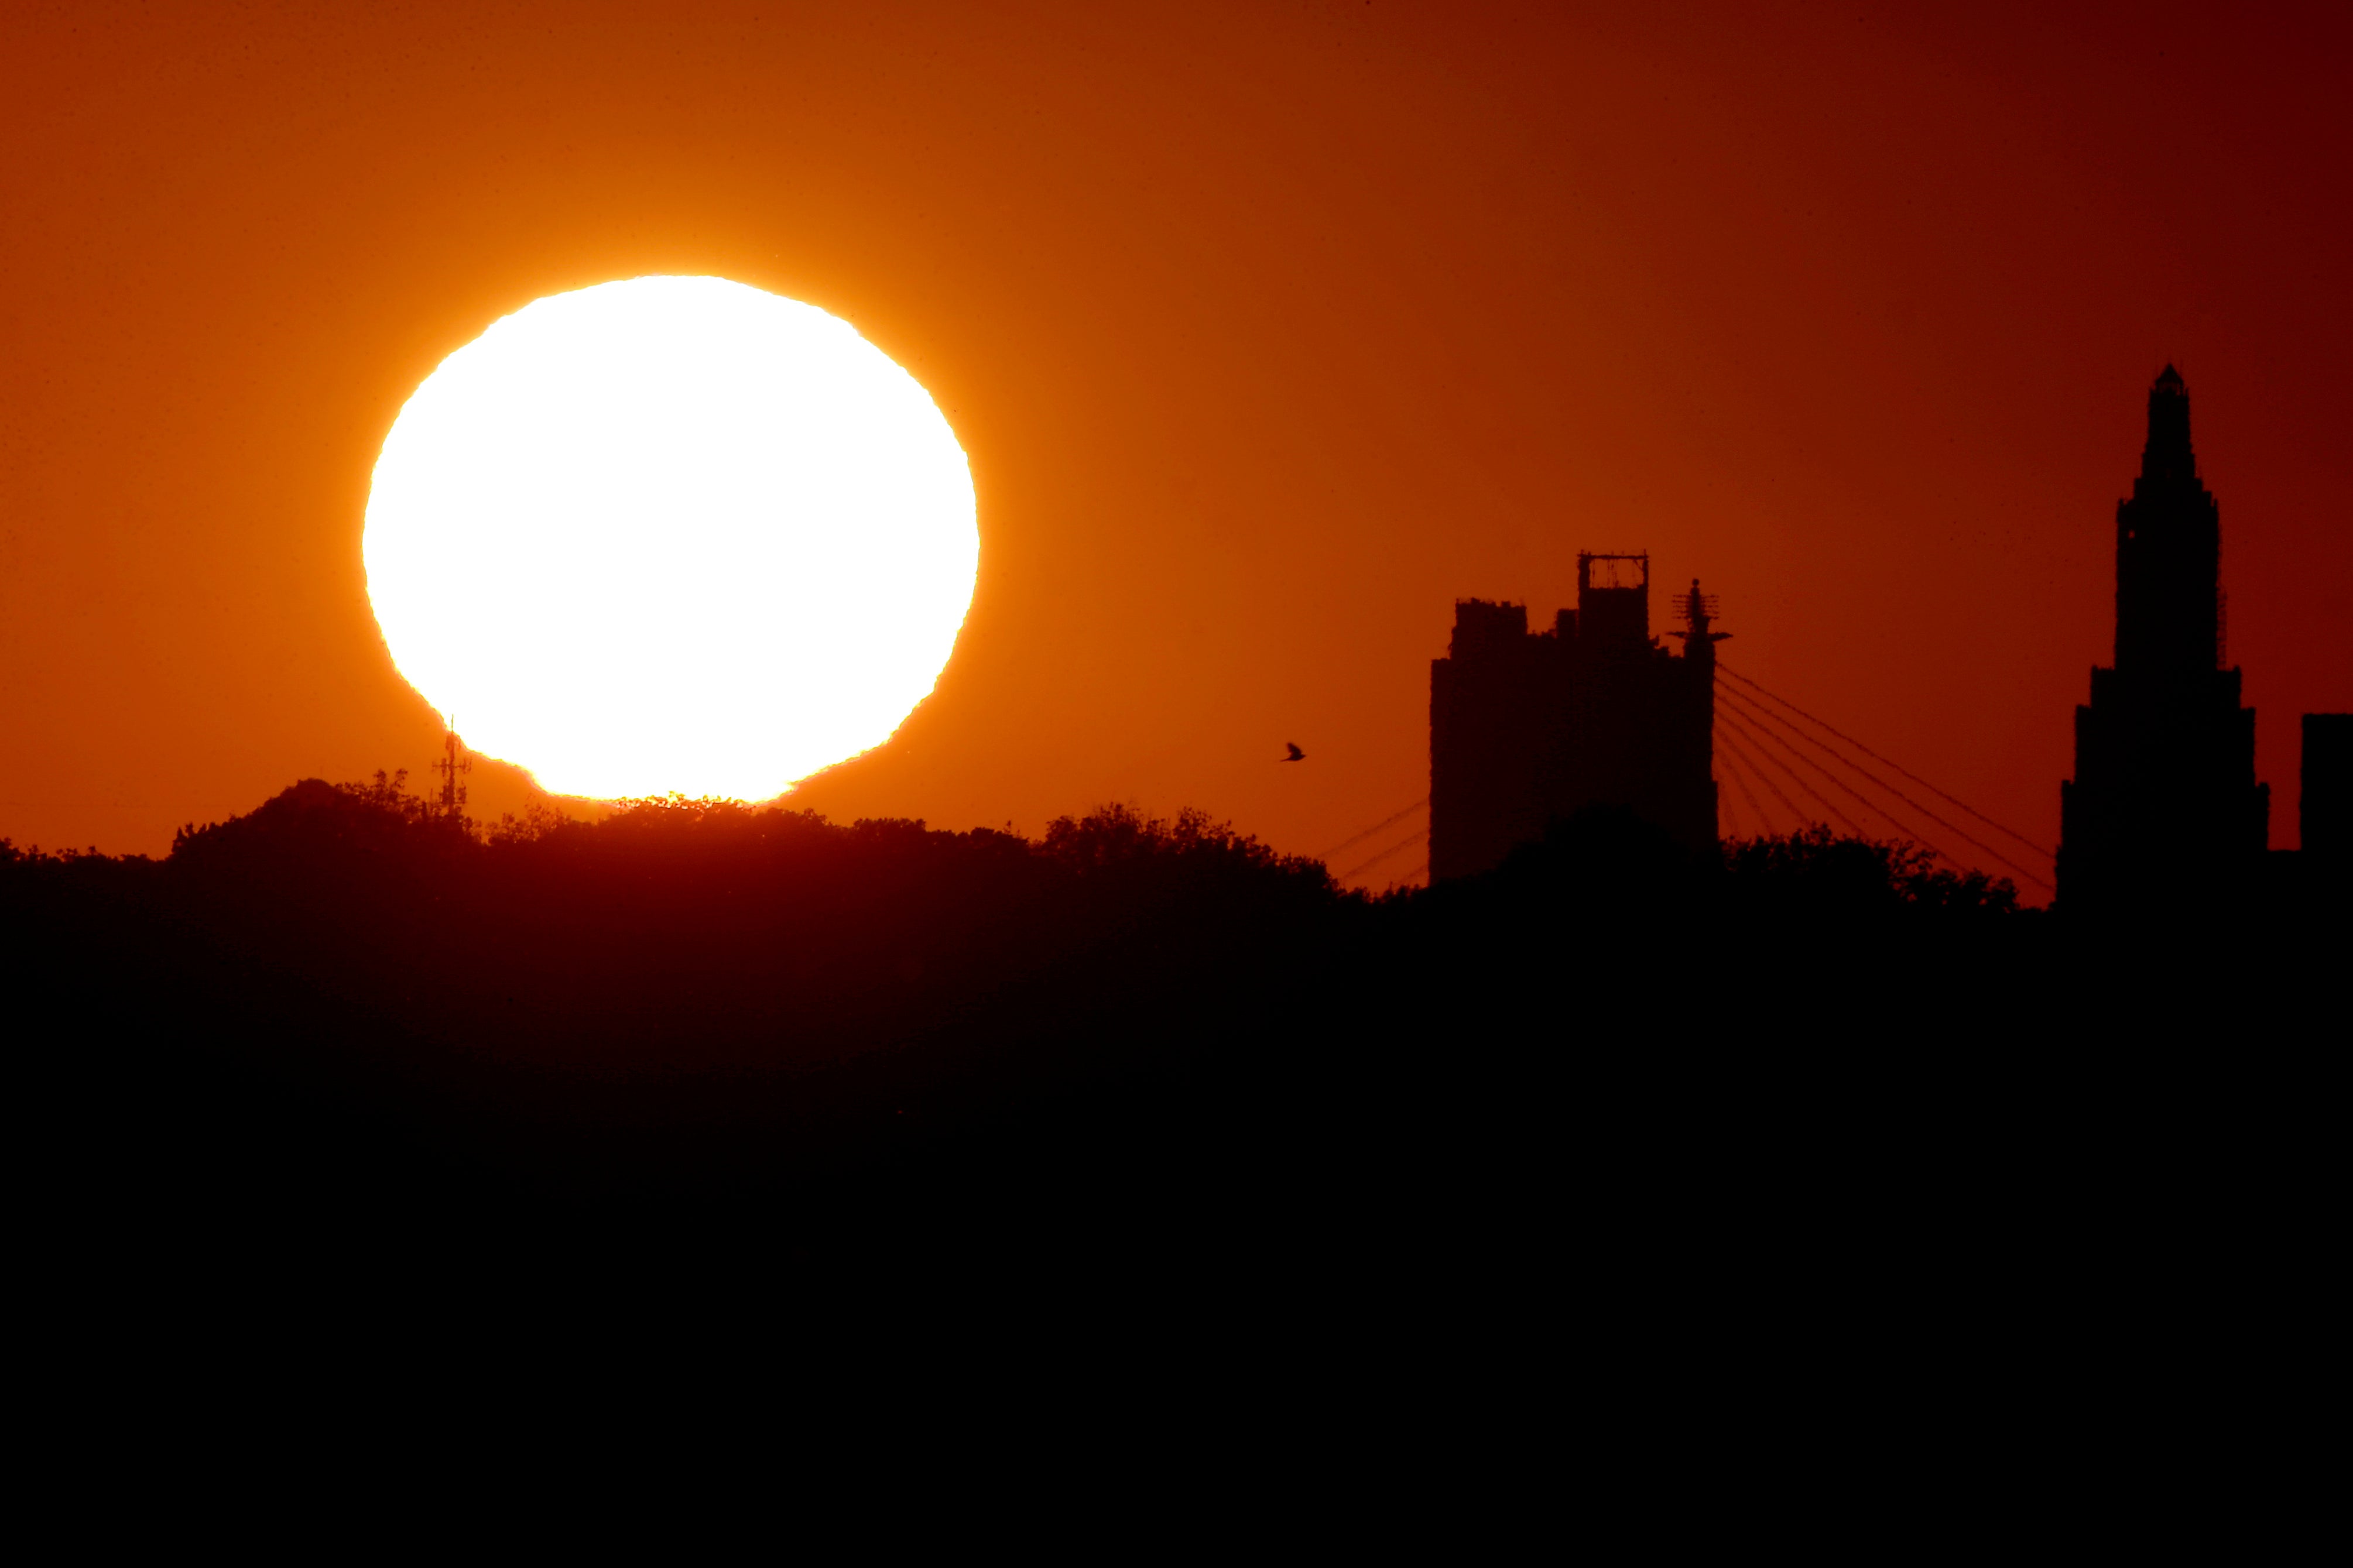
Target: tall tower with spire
<point x="2164" y="799"/>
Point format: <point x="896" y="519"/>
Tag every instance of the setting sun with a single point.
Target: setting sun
<point x="671" y="534"/>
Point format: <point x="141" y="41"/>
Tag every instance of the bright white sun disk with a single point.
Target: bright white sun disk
<point x="674" y="533"/>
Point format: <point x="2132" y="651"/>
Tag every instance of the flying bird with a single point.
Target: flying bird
<point x="1296" y="754"/>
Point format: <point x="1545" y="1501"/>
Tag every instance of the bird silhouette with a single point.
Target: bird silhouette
<point x="1296" y="754"/>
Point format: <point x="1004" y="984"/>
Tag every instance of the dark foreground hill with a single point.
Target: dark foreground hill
<point x="755" y="1040"/>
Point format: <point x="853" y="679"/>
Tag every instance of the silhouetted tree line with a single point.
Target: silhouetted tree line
<point x="348" y="1014"/>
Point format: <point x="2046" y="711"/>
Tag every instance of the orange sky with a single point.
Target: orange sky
<point x="1269" y="331"/>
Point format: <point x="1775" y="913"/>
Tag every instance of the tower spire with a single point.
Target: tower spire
<point x="2167" y="456"/>
<point x="2168" y="548"/>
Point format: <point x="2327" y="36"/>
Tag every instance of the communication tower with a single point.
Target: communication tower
<point x="453" y="765"/>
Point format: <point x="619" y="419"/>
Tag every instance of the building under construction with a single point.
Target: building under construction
<point x="1526" y="728"/>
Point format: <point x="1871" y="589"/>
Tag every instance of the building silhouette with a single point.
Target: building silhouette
<point x="2164" y="805"/>
<point x="1527" y="728"/>
<point x="2325" y="797"/>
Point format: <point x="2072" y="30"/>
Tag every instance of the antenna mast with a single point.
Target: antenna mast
<point x="453" y="766"/>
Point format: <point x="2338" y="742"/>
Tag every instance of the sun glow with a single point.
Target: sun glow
<point x="673" y="533"/>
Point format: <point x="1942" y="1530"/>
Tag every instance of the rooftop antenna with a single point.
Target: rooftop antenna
<point x="453" y="766"/>
<point x="1699" y="614"/>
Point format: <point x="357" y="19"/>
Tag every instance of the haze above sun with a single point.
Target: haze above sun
<point x="671" y="534"/>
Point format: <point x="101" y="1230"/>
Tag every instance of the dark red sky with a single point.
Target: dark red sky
<point x="1269" y="331"/>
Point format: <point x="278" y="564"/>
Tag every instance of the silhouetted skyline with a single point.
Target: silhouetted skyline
<point x="1271" y="332"/>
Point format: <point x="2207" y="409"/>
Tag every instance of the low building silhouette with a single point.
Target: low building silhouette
<point x="2164" y="806"/>
<point x="1527" y="728"/>
<point x="2325" y="796"/>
